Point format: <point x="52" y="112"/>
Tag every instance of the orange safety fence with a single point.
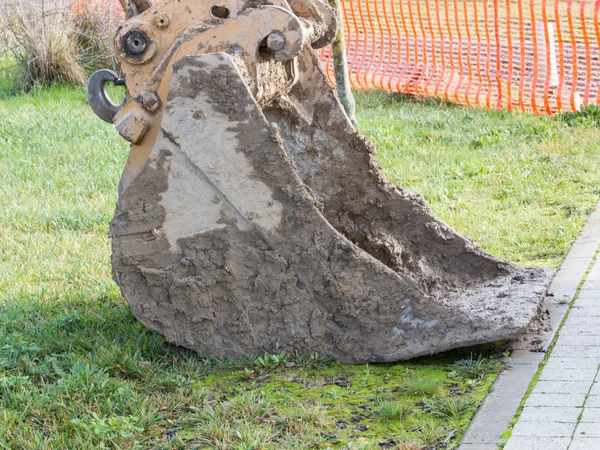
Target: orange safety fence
<point x="527" y="55"/>
<point x="541" y="56"/>
<point x="113" y="6"/>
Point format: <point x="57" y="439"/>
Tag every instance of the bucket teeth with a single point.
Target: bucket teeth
<point x="251" y="230"/>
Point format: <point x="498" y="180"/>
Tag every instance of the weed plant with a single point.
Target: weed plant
<point x="453" y="408"/>
<point x="477" y="368"/>
<point x="389" y="411"/>
<point x="423" y="387"/>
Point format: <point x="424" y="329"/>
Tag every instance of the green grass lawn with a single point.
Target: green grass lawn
<point x="78" y="371"/>
<point x="521" y="186"/>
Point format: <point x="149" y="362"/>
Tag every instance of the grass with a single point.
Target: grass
<point x="519" y="185"/>
<point x="392" y="411"/>
<point x="475" y="368"/>
<point x="425" y="387"/>
<point x="452" y="408"/>
<point x="77" y="370"/>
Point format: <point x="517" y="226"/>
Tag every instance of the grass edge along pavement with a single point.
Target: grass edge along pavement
<point x="78" y="371"/>
<point x="590" y="239"/>
<point x="509" y="393"/>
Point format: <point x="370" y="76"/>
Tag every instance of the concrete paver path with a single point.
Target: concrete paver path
<point x="563" y="410"/>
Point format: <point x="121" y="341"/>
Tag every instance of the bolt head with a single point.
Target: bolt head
<point x="276" y="41"/>
<point x="135" y="42"/>
<point x="150" y="101"/>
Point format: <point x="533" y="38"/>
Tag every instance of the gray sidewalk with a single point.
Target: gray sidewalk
<point x="563" y="410"/>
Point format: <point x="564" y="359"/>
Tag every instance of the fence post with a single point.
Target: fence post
<point x="548" y="62"/>
<point x="340" y="65"/>
<point x="547" y="56"/>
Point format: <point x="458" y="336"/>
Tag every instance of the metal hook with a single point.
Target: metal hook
<point x="101" y="104"/>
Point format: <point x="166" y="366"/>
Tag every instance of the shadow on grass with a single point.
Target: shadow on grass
<point x="103" y="377"/>
<point x="105" y="332"/>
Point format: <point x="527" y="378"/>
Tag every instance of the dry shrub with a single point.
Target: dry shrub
<point x="52" y="43"/>
<point x="94" y="30"/>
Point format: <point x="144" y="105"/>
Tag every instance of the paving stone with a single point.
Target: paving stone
<point x="560" y="363"/>
<point x="552" y="410"/>
<point x="593" y="401"/>
<point x="544" y="429"/>
<point x="591" y="415"/>
<point x="576" y="400"/>
<point x="513" y="383"/>
<point x="492" y="419"/>
<point x="589" y="294"/>
<point x="564" y="290"/>
<point x="583" y="329"/>
<point x="575" y="340"/>
<point x="595" y="390"/>
<point x="569" y="375"/>
<point x="499" y="407"/>
<point x="576" y="351"/>
<point x="593" y="224"/>
<point x="580" y="312"/>
<point x="582" y="319"/>
<point x="537" y="443"/>
<point x="477" y="446"/>
<point x="583" y="322"/>
<point x="524" y="357"/>
<point x="573" y="266"/>
<point x="561" y="387"/>
<point x="593" y="221"/>
<point x="565" y="279"/>
<point x="550" y="414"/>
<point x="501" y="404"/>
<point x="589" y="234"/>
<point x="565" y="282"/>
<point x="593" y="275"/>
<point x="581" y="444"/>
<point x="585" y="444"/>
<point x="583" y="248"/>
<point x="595" y="271"/>
<point x="584" y="311"/>
<point x="587" y="429"/>
<point x="557" y="313"/>
<point x="587" y="301"/>
<point x="563" y="287"/>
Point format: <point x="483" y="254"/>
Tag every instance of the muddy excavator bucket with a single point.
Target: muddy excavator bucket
<point x="253" y="217"/>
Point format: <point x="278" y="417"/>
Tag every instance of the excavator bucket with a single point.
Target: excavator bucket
<point x="253" y="217"/>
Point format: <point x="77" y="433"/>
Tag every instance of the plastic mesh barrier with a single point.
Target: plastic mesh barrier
<point x="528" y="55"/>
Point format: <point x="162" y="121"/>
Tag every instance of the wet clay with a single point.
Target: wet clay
<point x="257" y="220"/>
